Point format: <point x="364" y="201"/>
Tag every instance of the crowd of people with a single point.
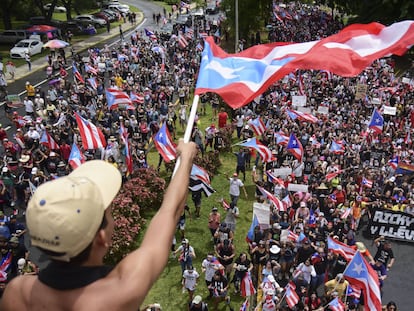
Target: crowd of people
<point x="159" y="75"/>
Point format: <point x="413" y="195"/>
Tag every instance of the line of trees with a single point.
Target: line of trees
<point x="255" y="14"/>
<point x="24" y="9"/>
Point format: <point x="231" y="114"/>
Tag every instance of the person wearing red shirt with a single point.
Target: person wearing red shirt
<point x="222" y="118"/>
<point x="65" y="151"/>
<point x="340" y="195"/>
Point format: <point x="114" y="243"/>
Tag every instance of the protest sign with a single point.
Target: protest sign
<point x="390" y="110"/>
<point x="298" y="187"/>
<point x="361" y="91"/>
<point x="299" y="100"/>
<point x="262" y="212"/>
<point x="323" y="110"/>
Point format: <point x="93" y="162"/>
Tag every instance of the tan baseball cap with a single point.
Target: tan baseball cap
<point x="64" y="215"/>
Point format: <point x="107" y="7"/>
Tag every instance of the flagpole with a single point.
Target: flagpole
<point x="189" y="128"/>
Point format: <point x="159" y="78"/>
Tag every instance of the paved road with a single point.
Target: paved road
<point x="398" y="286"/>
<point x="399" y="283"/>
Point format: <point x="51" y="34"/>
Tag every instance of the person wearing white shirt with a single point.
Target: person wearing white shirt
<point x="33" y="134"/>
<point x="307" y="270"/>
<point x="39" y="102"/>
<point x="235" y="185"/>
<point x="190" y="277"/>
<point x="28" y="107"/>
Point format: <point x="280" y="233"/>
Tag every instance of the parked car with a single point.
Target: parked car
<point x="33" y="46"/>
<point x="57" y="8"/>
<point x="13" y="36"/>
<point x="73" y="26"/>
<point x="121" y="8"/>
<point x="41" y="20"/>
<point x="106" y="16"/>
<point x="115" y="14"/>
<point x="87" y="19"/>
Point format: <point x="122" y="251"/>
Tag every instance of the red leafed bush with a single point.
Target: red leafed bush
<point x="144" y="190"/>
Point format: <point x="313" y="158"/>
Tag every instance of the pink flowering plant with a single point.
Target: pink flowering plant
<point x="144" y="190"/>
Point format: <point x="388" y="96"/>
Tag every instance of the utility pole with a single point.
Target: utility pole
<point x="236" y="39"/>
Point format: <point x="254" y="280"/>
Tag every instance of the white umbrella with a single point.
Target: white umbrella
<point x="56" y="44"/>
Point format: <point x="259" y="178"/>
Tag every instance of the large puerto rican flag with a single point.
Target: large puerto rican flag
<point x="340" y="248"/>
<point x="258" y="126"/>
<point x="116" y="98"/>
<point x="360" y="273"/>
<point x="76" y="157"/>
<point x="164" y="144"/>
<point x="92" y="137"/>
<point x="376" y="123"/>
<point x="263" y="151"/>
<point x="295" y="147"/>
<point x="273" y="199"/>
<point x="239" y="78"/>
<point x="48" y="141"/>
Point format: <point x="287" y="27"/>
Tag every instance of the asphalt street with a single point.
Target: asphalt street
<point x="397" y="287"/>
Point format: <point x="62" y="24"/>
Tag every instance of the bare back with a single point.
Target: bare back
<point x="28" y="293"/>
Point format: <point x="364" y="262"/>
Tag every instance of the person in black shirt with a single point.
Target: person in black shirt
<point x="304" y="252"/>
<point x="241" y="266"/>
<point x="384" y="252"/>
<point x="219" y="286"/>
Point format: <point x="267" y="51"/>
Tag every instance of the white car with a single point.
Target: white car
<point x="32" y="46"/>
<point x="121" y="8"/>
<point x="58" y="8"/>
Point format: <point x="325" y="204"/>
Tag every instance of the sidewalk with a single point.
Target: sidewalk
<point x="40" y="64"/>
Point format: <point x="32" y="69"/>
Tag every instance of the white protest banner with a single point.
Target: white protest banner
<point x="376" y="101"/>
<point x="390" y="110"/>
<point x="298" y="187"/>
<point x="262" y="212"/>
<point x="284" y="171"/>
<point x="305" y="110"/>
<point x="323" y="110"/>
<point x="299" y="100"/>
<point x="406" y="80"/>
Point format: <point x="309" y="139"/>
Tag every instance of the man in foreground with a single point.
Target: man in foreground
<point x="70" y="221"/>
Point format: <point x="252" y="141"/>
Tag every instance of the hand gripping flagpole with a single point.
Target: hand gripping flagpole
<point x="188" y="129"/>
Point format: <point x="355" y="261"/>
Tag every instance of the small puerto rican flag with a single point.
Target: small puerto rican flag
<point x="366" y="182"/>
<point x="77" y="74"/>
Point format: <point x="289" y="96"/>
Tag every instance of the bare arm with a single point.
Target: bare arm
<point x="140" y="269"/>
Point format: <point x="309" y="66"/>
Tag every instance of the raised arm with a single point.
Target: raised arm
<point x="139" y="270"/>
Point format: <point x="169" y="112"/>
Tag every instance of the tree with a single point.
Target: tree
<point x="383" y="11"/>
<point x="6" y="7"/>
<point x="253" y="15"/>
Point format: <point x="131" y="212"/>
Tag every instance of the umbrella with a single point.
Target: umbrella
<point x="54" y="81"/>
<point x="41" y="29"/>
<point x="55" y="44"/>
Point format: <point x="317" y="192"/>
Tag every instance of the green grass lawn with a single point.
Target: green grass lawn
<point x="5" y="54"/>
<point x="167" y="290"/>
